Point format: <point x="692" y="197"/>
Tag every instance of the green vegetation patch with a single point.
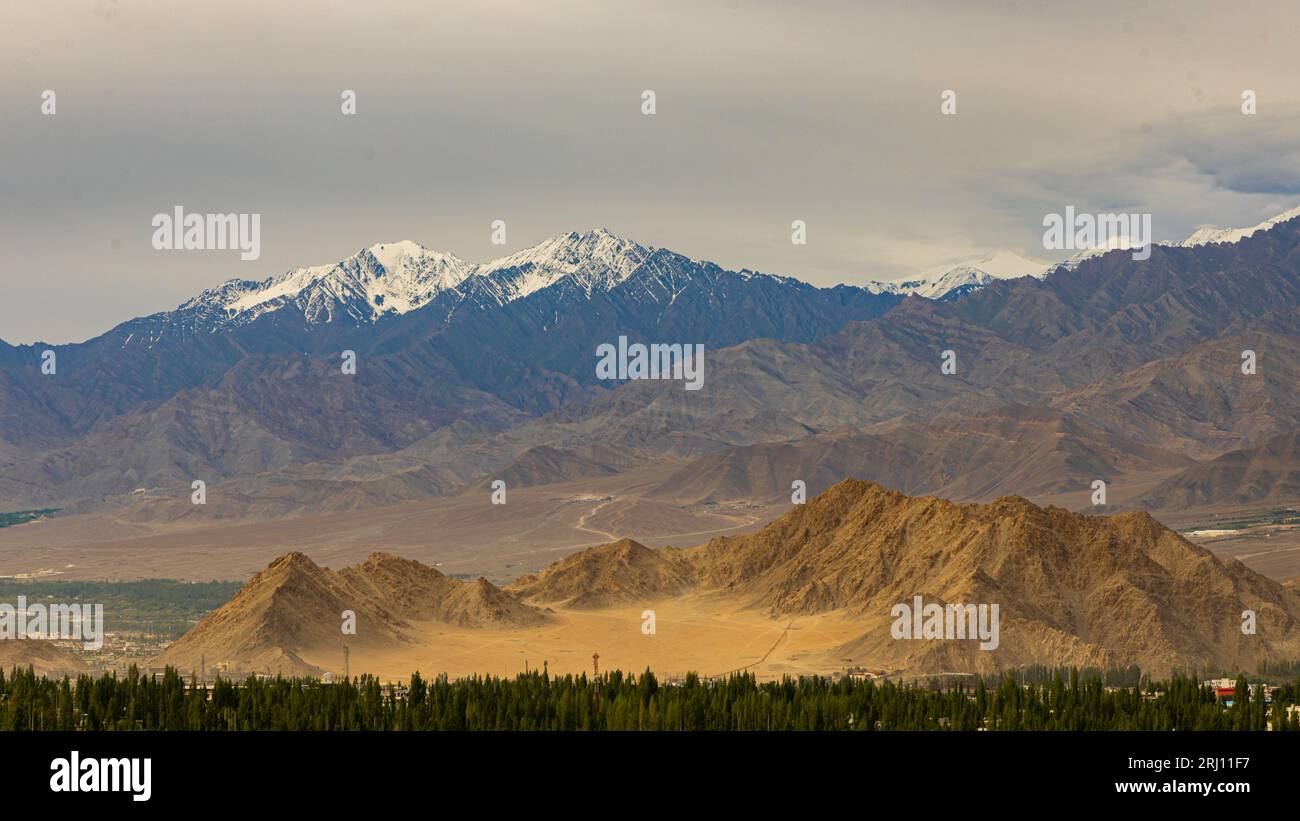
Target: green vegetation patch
<point x="19" y="517"/>
<point x="164" y="608"/>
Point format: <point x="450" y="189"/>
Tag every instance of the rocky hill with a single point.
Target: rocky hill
<point x="624" y="572"/>
<point x="295" y="606"/>
<point x="1071" y="589"/>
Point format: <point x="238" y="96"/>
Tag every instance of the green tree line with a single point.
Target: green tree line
<point x="619" y="701"/>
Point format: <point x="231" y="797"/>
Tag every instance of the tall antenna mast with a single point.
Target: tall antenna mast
<point x="595" y="669"/>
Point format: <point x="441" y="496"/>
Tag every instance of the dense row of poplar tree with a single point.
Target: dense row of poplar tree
<point x="618" y="701"/>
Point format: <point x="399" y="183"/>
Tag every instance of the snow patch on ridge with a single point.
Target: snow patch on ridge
<point x="963" y="277"/>
<point x="395" y="278"/>
<point x="1206" y="235"/>
<point x="399" y="277"/>
<point x="1209" y="235"/>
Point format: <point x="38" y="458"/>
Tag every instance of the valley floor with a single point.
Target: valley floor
<point x="463" y="536"/>
<point x="705" y="634"/>
<point x="467" y="536"/>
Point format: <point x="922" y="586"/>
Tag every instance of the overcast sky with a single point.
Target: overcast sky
<point x="530" y="112"/>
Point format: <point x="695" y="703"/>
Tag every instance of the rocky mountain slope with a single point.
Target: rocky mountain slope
<point x="1268" y="473"/>
<point x="1071" y="589"/>
<point x="295" y="606"/>
<point x="622" y="573"/>
<point x="1017" y="449"/>
<point x="1107" y="367"/>
<point x="202" y="392"/>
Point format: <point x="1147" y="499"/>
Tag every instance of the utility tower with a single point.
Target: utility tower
<point x="346" y="676"/>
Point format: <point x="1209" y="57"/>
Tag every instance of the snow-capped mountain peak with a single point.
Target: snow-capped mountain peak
<point x="962" y="277"/>
<point x="596" y="259"/>
<point x="407" y="255"/>
<point x="393" y="278"/>
<point x="386" y="278"/>
<point x="398" y="277"/>
<point x="1208" y="235"/>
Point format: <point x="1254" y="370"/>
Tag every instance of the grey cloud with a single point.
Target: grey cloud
<point x="529" y="112"/>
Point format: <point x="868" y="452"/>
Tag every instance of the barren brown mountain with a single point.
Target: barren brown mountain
<point x="294" y="606"/>
<point x="1018" y="449"/>
<point x="1200" y="402"/>
<point x="544" y="465"/>
<point x="1071" y="590"/>
<point x="1268" y="473"/>
<point x="45" y="657"/>
<point x="624" y="572"/>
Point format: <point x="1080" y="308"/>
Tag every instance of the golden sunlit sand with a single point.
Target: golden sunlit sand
<point x="706" y="634"/>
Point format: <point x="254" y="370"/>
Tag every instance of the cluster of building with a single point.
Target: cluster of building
<point x="859" y="673"/>
<point x="1225" y="690"/>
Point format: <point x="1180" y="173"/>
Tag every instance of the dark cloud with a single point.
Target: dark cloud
<point x="1244" y="153"/>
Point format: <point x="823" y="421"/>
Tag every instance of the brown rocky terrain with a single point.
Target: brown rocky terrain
<point x="1019" y="449"/>
<point x="1111" y="369"/>
<point x="544" y="465"/>
<point x="1071" y="590"/>
<point x="295" y="606"/>
<point x="45" y="657"/>
<point x="1199" y="402"/>
<point x="624" y="572"/>
<point x="1268" y="473"/>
